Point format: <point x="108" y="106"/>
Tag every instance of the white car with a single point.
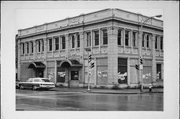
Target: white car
<point x="37" y="83"/>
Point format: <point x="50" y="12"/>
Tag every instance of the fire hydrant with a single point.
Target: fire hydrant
<point x="150" y="87"/>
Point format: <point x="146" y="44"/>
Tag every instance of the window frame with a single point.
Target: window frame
<point x="96" y="38"/>
<point x="72" y="41"/>
<point x="105" y="36"/>
<point x="88" y="34"/>
<point x="119" y="38"/>
<point x="78" y="40"/>
<point x="134" y="38"/>
<point x="63" y="42"/>
<point x="127" y="39"/>
<point x="56" y="39"/>
<point x="50" y="44"/>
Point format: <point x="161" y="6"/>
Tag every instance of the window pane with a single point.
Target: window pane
<point x="88" y="39"/>
<point x="134" y="39"/>
<point x="143" y="40"/>
<point x="73" y="41"/>
<point x="39" y="46"/>
<point x="23" y="48"/>
<point x="119" y="37"/>
<point x="161" y="43"/>
<point x="147" y="41"/>
<point x="105" y="37"/>
<point x="156" y="40"/>
<point x="126" y="38"/>
<point x="56" y="43"/>
<point x="96" y="33"/>
<point x="78" y="40"/>
<point x="63" y="42"/>
<point x="27" y="47"/>
<point x="122" y="70"/>
<point x="32" y="47"/>
<point x="42" y="45"/>
<point x="50" y="44"/>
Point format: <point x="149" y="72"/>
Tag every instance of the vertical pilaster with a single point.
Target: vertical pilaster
<point x="128" y="71"/>
<point x="67" y="44"/>
<point x="112" y="55"/>
<point x="81" y="36"/>
<point x="140" y="35"/>
<point x="19" y="60"/>
<point x="34" y="49"/>
<point x="153" y="59"/>
<point x="45" y="57"/>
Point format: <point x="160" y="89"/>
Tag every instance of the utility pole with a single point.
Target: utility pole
<point x="140" y="61"/>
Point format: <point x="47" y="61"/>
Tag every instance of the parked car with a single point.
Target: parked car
<point x="37" y="83"/>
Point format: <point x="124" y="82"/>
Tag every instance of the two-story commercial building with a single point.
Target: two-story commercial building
<point x="59" y="50"/>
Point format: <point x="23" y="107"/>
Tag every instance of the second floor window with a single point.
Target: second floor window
<point x="42" y="44"/>
<point x="96" y="35"/>
<point x="119" y="37"/>
<point x="50" y="44"/>
<point x="78" y="40"/>
<point x="134" y="39"/>
<point x="147" y="41"/>
<point x="156" y="42"/>
<point x="39" y="45"/>
<point x="56" y="43"/>
<point x="161" y="43"/>
<point x="22" y="48"/>
<point x="32" y="47"/>
<point x="63" y="42"/>
<point x="105" y="37"/>
<point x="73" y="41"/>
<point x="88" y="39"/>
<point x="27" y="44"/>
<point x="126" y="38"/>
<point x="143" y="39"/>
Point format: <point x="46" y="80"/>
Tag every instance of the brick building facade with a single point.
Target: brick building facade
<point x="59" y="50"/>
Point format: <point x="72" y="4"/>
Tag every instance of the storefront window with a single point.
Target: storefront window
<point x="74" y="75"/>
<point x="122" y="70"/>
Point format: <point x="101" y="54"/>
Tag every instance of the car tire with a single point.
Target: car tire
<point x="34" y="88"/>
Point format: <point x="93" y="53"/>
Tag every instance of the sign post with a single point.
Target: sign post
<point x="89" y="72"/>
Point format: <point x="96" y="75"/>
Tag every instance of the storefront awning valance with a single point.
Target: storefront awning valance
<point x="37" y="65"/>
<point x="70" y="63"/>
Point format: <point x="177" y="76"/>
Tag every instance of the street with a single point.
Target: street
<point x="57" y="100"/>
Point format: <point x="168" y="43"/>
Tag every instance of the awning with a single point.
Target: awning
<point x="37" y="65"/>
<point x="70" y="63"/>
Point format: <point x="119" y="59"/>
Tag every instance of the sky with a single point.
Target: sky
<point x="30" y="16"/>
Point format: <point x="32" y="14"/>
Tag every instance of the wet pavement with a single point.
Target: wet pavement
<point x="82" y="100"/>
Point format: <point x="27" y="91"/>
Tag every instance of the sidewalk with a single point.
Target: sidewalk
<point x="110" y="91"/>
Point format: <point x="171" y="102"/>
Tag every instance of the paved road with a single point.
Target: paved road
<point x="84" y="101"/>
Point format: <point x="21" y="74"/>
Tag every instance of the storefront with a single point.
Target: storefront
<point x="68" y="73"/>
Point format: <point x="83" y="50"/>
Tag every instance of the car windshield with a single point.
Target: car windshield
<point x="45" y="80"/>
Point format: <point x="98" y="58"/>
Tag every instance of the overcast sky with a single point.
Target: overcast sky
<point x="30" y="16"/>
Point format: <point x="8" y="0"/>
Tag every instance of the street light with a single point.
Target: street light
<point x="140" y="50"/>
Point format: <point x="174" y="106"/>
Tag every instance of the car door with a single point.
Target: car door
<point x="29" y="83"/>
